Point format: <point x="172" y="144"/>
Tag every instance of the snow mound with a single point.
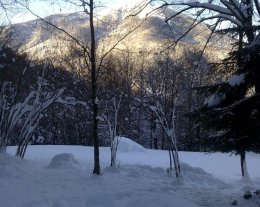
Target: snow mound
<point x="63" y="160"/>
<point x="127" y="145"/>
<point x="12" y="166"/>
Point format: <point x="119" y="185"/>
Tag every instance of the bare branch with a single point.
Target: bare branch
<point x="257" y="5"/>
<point x="120" y="40"/>
<point x="233" y="9"/>
<point x="85" y="48"/>
<point x="211" y="7"/>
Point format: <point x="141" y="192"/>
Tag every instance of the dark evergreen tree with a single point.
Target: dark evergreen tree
<point x="231" y="113"/>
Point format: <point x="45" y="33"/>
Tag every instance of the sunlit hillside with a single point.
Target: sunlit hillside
<point x="55" y="36"/>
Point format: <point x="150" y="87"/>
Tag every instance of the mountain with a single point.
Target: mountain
<point x="41" y="40"/>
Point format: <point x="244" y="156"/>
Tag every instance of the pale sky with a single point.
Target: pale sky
<point x="45" y="8"/>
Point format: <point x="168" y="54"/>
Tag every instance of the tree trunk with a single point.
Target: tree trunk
<point x="155" y="143"/>
<point x="2" y="148"/>
<point x="163" y="141"/>
<point x="152" y="131"/>
<point x="243" y="164"/>
<point x="170" y="156"/>
<point x="94" y="89"/>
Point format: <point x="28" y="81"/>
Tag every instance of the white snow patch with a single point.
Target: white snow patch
<point x="215" y="99"/>
<point x="96" y="100"/>
<point x="236" y="80"/>
<point x="195" y="63"/>
<point x="127" y="145"/>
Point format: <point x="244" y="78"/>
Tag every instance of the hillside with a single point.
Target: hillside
<point x="41" y="40"/>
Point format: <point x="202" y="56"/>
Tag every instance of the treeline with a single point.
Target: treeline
<point x="129" y="85"/>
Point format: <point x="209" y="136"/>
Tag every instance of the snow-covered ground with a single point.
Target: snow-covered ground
<point x="141" y="179"/>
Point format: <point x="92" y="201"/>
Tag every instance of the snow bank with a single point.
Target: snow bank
<point x="196" y="176"/>
<point x="64" y="160"/>
<point x="11" y="166"/>
<point x="127" y="145"/>
<point x="141" y="180"/>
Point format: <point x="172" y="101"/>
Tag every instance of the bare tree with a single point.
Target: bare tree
<point x="23" y="117"/>
<point x="112" y="125"/>
<point x="241" y="14"/>
<point x="33" y="115"/>
<point x="9" y="8"/>
<point x="93" y="60"/>
<point x="170" y="130"/>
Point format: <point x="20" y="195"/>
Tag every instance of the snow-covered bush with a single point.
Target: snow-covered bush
<point x="22" y="118"/>
<point x="36" y="103"/>
<point x="169" y="129"/>
<point x="111" y="122"/>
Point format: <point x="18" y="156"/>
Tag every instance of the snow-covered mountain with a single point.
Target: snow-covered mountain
<point x="42" y="40"/>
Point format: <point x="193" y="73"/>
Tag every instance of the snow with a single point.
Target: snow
<point x="236" y="80"/>
<point x="127" y="145"/>
<point x="63" y="160"/>
<point x="210" y="6"/>
<point x="61" y="176"/>
<point x="96" y="100"/>
<point x="215" y="99"/>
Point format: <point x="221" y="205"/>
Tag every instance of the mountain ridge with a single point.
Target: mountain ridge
<point x="37" y="38"/>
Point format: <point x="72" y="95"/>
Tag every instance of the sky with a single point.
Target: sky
<point x="45" y="8"/>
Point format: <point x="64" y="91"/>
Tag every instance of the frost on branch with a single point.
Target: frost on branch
<point x="169" y="129"/>
<point x="111" y="120"/>
<point x="215" y="100"/>
<point x="21" y="119"/>
<point x="237" y="12"/>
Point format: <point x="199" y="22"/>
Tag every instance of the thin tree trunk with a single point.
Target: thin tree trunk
<point x="170" y="156"/>
<point x="94" y="89"/>
<point x="2" y="149"/>
<point x="152" y="130"/>
<point x="243" y="164"/>
<point x="155" y="143"/>
<point x="163" y="141"/>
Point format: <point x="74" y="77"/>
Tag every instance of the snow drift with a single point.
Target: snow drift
<point x="64" y="160"/>
<point x="127" y="145"/>
<point x="11" y="166"/>
<point x="141" y="180"/>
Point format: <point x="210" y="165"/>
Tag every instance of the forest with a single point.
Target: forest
<point x="118" y="103"/>
<point x="169" y="75"/>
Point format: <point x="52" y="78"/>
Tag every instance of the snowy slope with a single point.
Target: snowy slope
<point x="140" y="180"/>
<point x="40" y="40"/>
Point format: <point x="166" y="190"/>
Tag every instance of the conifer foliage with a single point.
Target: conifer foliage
<point x="231" y="112"/>
<point x="230" y="115"/>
